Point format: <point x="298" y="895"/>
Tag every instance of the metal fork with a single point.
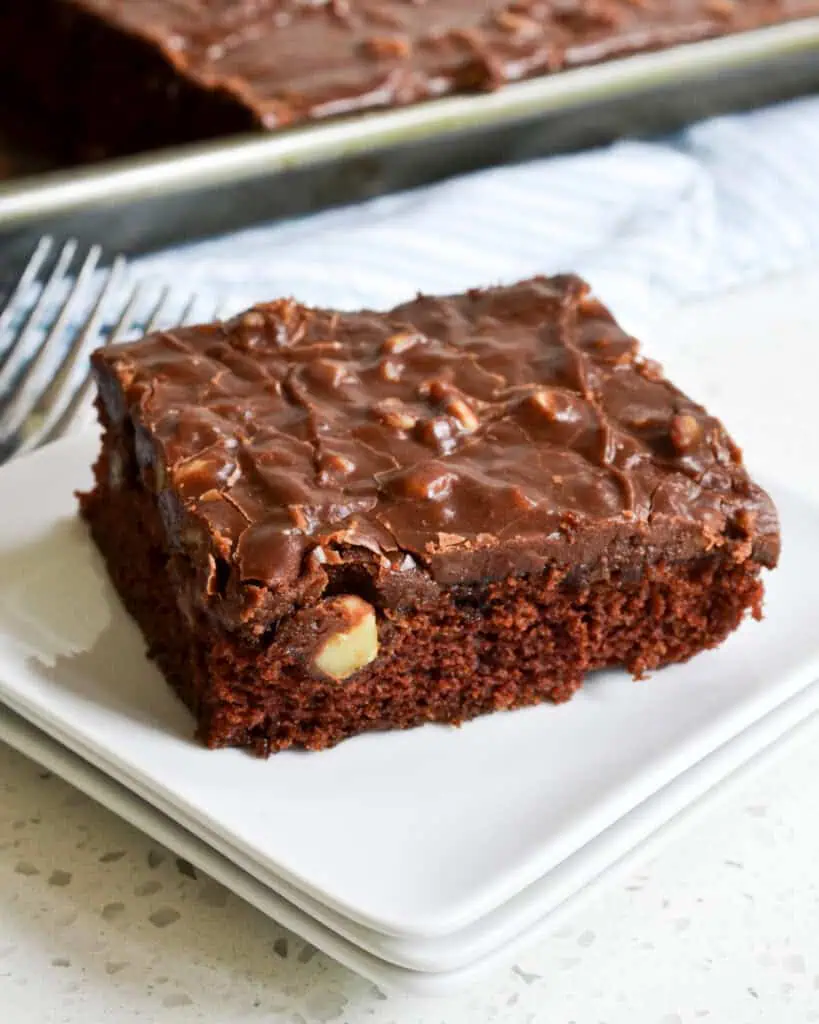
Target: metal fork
<point x="45" y="383"/>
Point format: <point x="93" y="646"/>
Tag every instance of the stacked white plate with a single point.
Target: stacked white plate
<point x="417" y="858"/>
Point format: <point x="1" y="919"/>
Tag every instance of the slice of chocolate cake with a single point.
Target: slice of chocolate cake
<point x="327" y="523"/>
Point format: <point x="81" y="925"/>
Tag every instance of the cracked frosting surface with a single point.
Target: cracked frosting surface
<point x="449" y="441"/>
<point x="289" y="60"/>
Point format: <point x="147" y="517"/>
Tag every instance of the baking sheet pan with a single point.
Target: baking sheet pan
<point x="145" y="203"/>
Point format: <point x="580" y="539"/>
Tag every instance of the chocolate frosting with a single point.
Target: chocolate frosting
<point x="287" y="60"/>
<point x="447" y="442"/>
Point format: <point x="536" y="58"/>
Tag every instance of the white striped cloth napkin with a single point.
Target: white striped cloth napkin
<point x="723" y="203"/>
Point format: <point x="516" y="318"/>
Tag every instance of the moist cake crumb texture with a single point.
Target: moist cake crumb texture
<point x="327" y="523"/>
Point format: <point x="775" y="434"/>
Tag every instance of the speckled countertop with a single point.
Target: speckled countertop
<point x="98" y="924"/>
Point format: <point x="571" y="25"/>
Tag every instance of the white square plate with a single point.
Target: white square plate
<point x="752" y="750"/>
<point x="417" y="835"/>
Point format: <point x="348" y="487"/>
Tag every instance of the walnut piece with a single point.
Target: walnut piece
<point x="685" y="432"/>
<point x="354" y="645"/>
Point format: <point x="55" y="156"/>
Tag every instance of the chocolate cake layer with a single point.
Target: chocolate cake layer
<point x="326" y="506"/>
<point x="130" y="74"/>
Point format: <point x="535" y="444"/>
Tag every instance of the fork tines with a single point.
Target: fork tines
<point x="54" y="317"/>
